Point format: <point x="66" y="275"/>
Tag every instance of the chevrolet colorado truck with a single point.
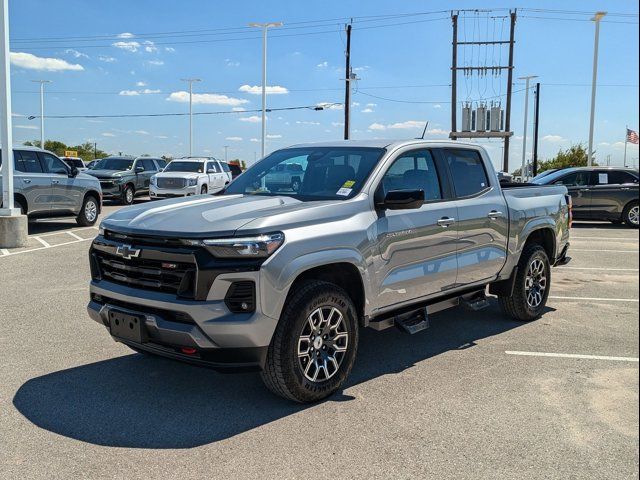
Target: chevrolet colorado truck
<point x="378" y="234"/>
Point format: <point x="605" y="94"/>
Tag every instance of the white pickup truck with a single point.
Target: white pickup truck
<point x="184" y="177"/>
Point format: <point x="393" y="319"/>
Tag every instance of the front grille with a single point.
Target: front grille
<point x="171" y="182"/>
<point x="106" y="183"/>
<point x="149" y="274"/>
<point x="241" y="297"/>
<point x="141" y="239"/>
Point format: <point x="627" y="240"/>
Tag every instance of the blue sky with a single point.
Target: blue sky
<point x="126" y="57"/>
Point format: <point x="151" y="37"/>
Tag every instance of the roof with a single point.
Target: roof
<point x="380" y="143"/>
<point x="597" y="167"/>
<point x="194" y="159"/>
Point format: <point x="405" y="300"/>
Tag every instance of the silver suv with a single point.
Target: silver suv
<point x="45" y="186"/>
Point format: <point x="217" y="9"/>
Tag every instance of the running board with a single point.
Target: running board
<point x="413" y="322"/>
<point x="476" y="301"/>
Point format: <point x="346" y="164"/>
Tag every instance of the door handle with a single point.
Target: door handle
<point x="494" y="214"/>
<point x="446" y="222"/>
<point x="625" y="188"/>
<point x="55" y="182"/>
<point x="26" y="180"/>
<point x="585" y="189"/>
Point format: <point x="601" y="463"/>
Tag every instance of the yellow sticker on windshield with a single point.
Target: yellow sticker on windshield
<point x="349" y="184"/>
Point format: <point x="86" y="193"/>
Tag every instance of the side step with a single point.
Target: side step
<point x="476" y="301"/>
<point x="413" y="322"/>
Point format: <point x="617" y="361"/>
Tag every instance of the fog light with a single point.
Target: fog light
<point x="188" y="350"/>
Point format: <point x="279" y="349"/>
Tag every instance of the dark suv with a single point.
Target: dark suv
<point x="600" y="193"/>
<point x="123" y="178"/>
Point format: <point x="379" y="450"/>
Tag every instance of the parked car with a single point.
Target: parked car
<point x="190" y="176"/>
<point x="235" y="169"/>
<point x="287" y="176"/>
<point x="600" y="193"/>
<point x="378" y="234"/>
<point x="544" y="174"/>
<point x="92" y="163"/>
<point x="124" y="178"/>
<point x="74" y="162"/>
<point x="45" y="186"/>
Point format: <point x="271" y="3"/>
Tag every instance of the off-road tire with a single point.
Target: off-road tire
<point x="83" y="219"/>
<point x="282" y="373"/>
<point x="516" y="305"/>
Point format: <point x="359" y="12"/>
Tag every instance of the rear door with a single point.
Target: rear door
<point x="417" y="248"/>
<point x="34" y="182"/>
<point x="611" y="191"/>
<point x="580" y="184"/>
<point x="482" y="218"/>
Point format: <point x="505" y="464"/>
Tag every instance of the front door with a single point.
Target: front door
<point x="66" y="194"/>
<point x="144" y="177"/>
<point x="580" y="187"/>
<point x="417" y="248"/>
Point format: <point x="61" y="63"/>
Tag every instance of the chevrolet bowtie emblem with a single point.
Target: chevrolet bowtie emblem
<point x="127" y="252"/>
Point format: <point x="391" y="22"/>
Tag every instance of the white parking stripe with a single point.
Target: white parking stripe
<point x="4" y="251"/>
<point x="77" y="237"/>
<point x="600" y="269"/>
<point x="63" y="231"/>
<point x="573" y="355"/>
<point x="609" y="251"/>
<point x="605" y="238"/>
<point x="12" y="254"/>
<point x="595" y="299"/>
<point x="41" y="241"/>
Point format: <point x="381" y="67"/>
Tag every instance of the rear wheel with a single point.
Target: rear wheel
<point x="631" y="215"/>
<point x="128" y="194"/>
<point x="89" y="213"/>
<point x="203" y="190"/>
<point x="314" y="346"/>
<point x="532" y="283"/>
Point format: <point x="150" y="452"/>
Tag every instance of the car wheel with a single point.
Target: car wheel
<point x="532" y="283"/>
<point x="128" y="194"/>
<point x="89" y="213"/>
<point x="295" y="185"/>
<point x="203" y="190"/>
<point x="314" y="346"/>
<point x="631" y="214"/>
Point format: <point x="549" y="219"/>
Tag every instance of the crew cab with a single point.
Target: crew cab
<point x="379" y="234"/>
<point x="190" y="176"/>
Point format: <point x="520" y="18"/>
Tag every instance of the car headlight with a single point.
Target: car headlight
<point x="153" y="181"/>
<point x="101" y="230"/>
<point x="259" y="246"/>
<point x="117" y="180"/>
<point x="193" y="182"/>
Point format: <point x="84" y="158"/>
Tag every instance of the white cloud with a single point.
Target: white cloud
<point x="76" y="53"/>
<point x="106" y="59"/>
<point x="437" y="131"/>
<point x="26" y="127"/>
<point x="302" y="122"/>
<point x="324" y="64"/>
<point x="126" y="35"/>
<point x="141" y="84"/>
<point x="127" y="46"/>
<point x="133" y="93"/>
<point x="337" y="124"/>
<point x="372" y="105"/>
<point x="377" y="126"/>
<point x="156" y="63"/>
<point x="437" y="105"/>
<point x="271" y="137"/>
<point x="31" y="62"/>
<point x="161" y="136"/>
<point x="361" y="69"/>
<point x="409" y="124"/>
<point x="367" y="110"/>
<point x="206" y="99"/>
<point x="149" y="46"/>
<point x="234" y="139"/>
<point x="251" y="119"/>
<point x="231" y="63"/>
<point x="169" y="49"/>
<point x="238" y="109"/>
<point x="604" y="144"/>
<point x="254" y="140"/>
<point x="142" y="132"/>
<point x="553" y="139"/>
<point x="108" y="134"/>
<point x="270" y="90"/>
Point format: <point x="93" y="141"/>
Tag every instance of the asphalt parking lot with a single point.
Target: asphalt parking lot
<point x="475" y="396"/>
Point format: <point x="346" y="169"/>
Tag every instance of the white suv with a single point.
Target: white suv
<point x="190" y="176"/>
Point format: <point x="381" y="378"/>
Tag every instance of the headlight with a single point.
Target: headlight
<point x="153" y="181"/>
<point x="101" y="230"/>
<point x="117" y="180"/>
<point x="260" y="246"/>
<point x="193" y="182"/>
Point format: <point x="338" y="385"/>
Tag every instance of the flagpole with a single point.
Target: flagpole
<point x="626" y="138"/>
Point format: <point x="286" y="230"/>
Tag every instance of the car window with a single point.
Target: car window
<point x="53" y="164"/>
<point x="147" y="164"/>
<point x="29" y="162"/>
<point x="414" y="171"/>
<point x="615" y="177"/>
<point x="467" y="171"/>
<point x="576" y="179"/>
<point x="16" y="162"/>
<point x="225" y="167"/>
<point x="160" y="163"/>
<point x="212" y="166"/>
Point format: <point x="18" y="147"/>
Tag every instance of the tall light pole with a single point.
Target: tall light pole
<point x="226" y="148"/>
<point x="191" y="81"/>
<point x="264" y="27"/>
<point x="596" y="18"/>
<point x="526" y="118"/>
<point x="41" y="82"/>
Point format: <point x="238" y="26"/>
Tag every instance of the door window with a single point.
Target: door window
<point x="29" y="162"/>
<point x="147" y="164"/>
<point x="212" y="166"/>
<point x="467" y="171"/>
<point x="53" y="164"/>
<point x="615" y="177"/>
<point x="414" y="171"/>
<point x="576" y="179"/>
<point x="225" y="167"/>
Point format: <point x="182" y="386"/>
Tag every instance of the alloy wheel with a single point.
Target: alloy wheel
<point x="634" y="214"/>
<point x="535" y="283"/>
<point x="90" y="210"/>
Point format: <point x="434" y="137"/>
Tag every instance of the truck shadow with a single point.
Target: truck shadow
<point x="146" y="402"/>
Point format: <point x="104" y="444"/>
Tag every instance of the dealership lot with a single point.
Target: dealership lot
<point x="475" y="396"/>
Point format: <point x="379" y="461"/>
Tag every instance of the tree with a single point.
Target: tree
<point x="86" y="150"/>
<point x="574" y="156"/>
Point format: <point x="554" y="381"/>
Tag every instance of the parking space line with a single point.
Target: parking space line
<point x="77" y="237"/>
<point x="596" y="299"/>
<point x="600" y="269"/>
<point x="13" y="254"/>
<point x="64" y="231"/>
<point x="4" y="251"/>
<point x="41" y="241"/>
<point x="608" y="251"/>
<point x="573" y="355"/>
<point x="605" y="238"/>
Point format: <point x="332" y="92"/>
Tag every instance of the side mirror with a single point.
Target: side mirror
<point x="74" y="172"/>
<point x="139" y="169"/>
<point x="402" y="200"/>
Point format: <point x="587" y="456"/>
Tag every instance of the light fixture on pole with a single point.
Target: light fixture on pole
<point x="596" y="18"/>
<point x="191" y="81"/>
<point x="264" y="27"/>
<point x="526" y="118"/>
<point x="41" y="82"/>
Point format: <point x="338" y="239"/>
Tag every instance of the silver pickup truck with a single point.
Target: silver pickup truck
<point x="378" y="234"/>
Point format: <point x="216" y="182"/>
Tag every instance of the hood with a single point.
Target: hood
<point x="107" y="173"/>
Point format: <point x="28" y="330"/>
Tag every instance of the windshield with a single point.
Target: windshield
<point x="75" y="162"/>
<point x="550" y="178"/>
<point x="314" y="173"/>
<point x="193" y="167"/>
<point x="114" y="164"/>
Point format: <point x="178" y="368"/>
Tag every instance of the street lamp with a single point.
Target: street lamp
<point x="596" y="18"/>
<point x="264" y="27"/>
<point x="226" y="148"/>
<point x="191" y="81"/>
<point x="526" y="118"/>
<point x="41" y="82"/>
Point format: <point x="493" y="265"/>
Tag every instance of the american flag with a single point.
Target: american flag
<point x="632" y="136"/>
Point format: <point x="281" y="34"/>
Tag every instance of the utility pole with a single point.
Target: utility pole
<point x="226" y="148"/>
<point x="536" y="129"/>
<point x="454" y="74"/>
<point x="41" y="82"/>
<point x="264" y="27"/>
<point x="191" y="82"/>
<point x="597" y="17"/>
<point x="507" y="113"/>
<point x="95" y="150"/>
<point x="526" y="118"/>
<point x="347" y="85"/>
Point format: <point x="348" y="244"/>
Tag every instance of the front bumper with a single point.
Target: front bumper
<point x="155" y="192"/>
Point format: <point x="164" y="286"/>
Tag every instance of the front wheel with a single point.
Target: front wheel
<point x="314" y="346"/>
<point x="531" y="290"/>
<point x="631" y="215"/>
<point x="89" y="213"/>
<point x="203" y="190"/>
<point x="128" y="194"/>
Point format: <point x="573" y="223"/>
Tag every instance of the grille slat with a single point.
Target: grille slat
<point x="171" y="182"/>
